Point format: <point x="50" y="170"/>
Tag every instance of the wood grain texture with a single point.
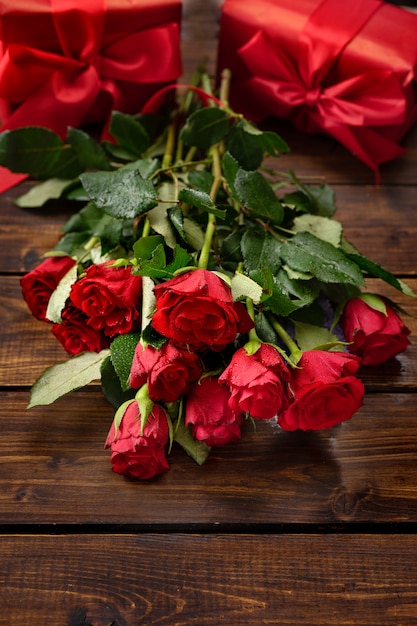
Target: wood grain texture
<point x="327" y="512"/>
<point x="178" y="580"/>
<point x="53" y="469"/>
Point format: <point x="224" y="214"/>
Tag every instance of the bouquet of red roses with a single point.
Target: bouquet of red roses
<point x="202" y="288"/>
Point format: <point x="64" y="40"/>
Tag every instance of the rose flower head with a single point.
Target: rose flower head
<point x="135" y="454"/>
<point x="76" y="336"/>
<point x="325" y="391"/>
<point x="169" y="372"/>
<point x="374" y="329"/>
<point x="110" y="297"/>
<point x="257" y="382"/>
<point x="39" y="284"/>
<point x="208" y="412"/>
<point x="196" y="309"/>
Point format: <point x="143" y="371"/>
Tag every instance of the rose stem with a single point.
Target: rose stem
<point x="211" y="222"/>
<point x="252" y="336"/>
<point x="295" y="352"/>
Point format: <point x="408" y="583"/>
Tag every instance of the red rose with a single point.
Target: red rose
<point x="208" y="412"/>
<point x="110" y="297"/>
<point x="376" y="335"/>
<point x="135" y="455"/>
<point x="256" y="382"/>
<point x="196" y="310"/>
<point x="39" y="284"/>
<point x="76" y="336"/>
<point x="168" y="371"/>
<point x="326" y="391"/>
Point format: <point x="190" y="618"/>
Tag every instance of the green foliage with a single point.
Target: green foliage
<point x="175" y="193"/>
<point x="123" y="194"/>
<point x="122" y="351"/>
<point x="38" y="152"/>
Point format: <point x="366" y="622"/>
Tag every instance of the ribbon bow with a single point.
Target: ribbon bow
<point x="298" y="84"/>
<point x="82" y="79"/>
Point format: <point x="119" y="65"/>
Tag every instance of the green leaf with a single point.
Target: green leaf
<point x="244" y="146"/>
<point x="310" y="337"/>
<point x="306" y="253"/>
<point x="375" y="270"/>
<point x="205" y="127"/>
<point x="230" y="170"/>
<point x="38" y="152"/>
<point x="197" y="450"/>
<point x="201" y="200"/>
<point x="90" y="153"/>
<point x="282" y="296"/>
<point x="264" y="329"/>
<point x="322" y="227"/>
<point x="110" y="385"/>
<point x="152" y="337"/>
<point x="122" y="351"/>
<point x="147" y="167"/>
<point x="181" y="259"/>
<point x="158" y="217"/>
<point x="42" y="192"/>
<point x="231" y="251"/>
<point x="201" y="179"/>
<point x="254" y="192"/>
<point x="144" y="248"/>
<point x="122" y="194"/>
<point x="194" y="234"/>
<point x="260" y="249"/>
<point x="248" y="144"/>
<point x="153" y="267"/>
<point x="60" y="295"/>
<point x="129" y="133"/>
<point x="244" y="287"/>
<point x="67" y="376"/>
<point x="272" y="143"/>
<point x="321" y="197"/>
<point x="374" y="302"/>
<point x="176" y="217"/>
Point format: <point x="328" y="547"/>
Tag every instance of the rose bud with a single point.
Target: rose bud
<point x="196" y="309"/>
<point x="325" y="391"/>
<point x="39" y="284"/>
<point x="208" y="412"/>
<point x="257" y="382"/>
<point x="375" y="331"/>
<point x="110" y="297"/>
<point x="169" y="372"/>
<point x="140" y="456"/>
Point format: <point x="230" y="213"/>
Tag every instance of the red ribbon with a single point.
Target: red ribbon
<point x="300" y="86"/>
<point x="60" y="88"/>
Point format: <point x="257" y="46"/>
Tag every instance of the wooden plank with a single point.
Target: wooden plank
<point x="178" y="580"/>
<point x="53" y="470"/>
<point x="321" y="155"/>
<point x="27" y="345"/>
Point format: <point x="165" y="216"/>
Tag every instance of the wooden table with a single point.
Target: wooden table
<point x="290" y="529"/>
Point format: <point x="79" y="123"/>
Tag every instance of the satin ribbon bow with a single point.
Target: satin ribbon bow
<point x="297" y="84"/>
<point x="60" y="88"/>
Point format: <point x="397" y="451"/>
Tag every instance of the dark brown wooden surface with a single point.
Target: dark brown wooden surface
<point x="176" y="580"/>
<point x="293" y="529"/>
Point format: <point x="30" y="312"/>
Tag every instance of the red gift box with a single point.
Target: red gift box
<point x="69" y="63"/>
<point x="349" y="72"/>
